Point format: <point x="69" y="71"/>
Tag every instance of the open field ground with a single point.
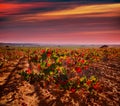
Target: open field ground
<point x="59" y="76"/>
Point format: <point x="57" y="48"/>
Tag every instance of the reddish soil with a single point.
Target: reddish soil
<point x="14" y="91"/>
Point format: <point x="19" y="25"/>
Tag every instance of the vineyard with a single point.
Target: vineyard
<point x="59" y="76"/>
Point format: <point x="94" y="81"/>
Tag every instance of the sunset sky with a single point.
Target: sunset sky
<point x="60" y="21"/>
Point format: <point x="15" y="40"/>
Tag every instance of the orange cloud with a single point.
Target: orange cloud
<point x="13" y="8"/>
<point x="95" y="10"/>
<point x="99" y="8"/>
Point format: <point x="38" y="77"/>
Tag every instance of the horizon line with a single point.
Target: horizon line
<point x="61" y="43"/>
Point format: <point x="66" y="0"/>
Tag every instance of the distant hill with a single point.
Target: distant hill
<point x="104" y="46"/>
<point x="19" y="44"/>
<point x="56" y="45"/>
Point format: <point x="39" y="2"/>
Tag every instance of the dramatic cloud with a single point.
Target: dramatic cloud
<point x="63" y="21"/>
<point x="101" y="10"/>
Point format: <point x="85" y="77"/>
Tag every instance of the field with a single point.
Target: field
<point x="59" y="76"/>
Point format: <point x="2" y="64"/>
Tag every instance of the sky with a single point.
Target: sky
<point x="60" y="21"/>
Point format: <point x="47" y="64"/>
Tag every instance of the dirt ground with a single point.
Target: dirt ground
<point x="14" y="91"/>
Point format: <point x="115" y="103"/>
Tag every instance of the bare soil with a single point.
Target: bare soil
<point x="14" y="91"/>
